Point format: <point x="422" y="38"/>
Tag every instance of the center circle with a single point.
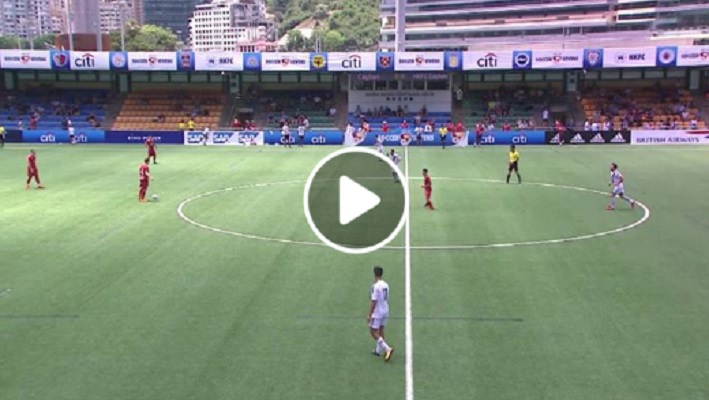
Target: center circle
<point x="304" y="234"/>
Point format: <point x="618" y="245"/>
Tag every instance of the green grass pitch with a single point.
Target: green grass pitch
<point x="105" y="298"/>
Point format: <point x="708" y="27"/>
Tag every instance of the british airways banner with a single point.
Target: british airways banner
<point x="557" y="59"/>
<point x="146" y="61"/>
<point x="690" y="56"/>
<point x="424" y="61"/>
<point x="285" y="61"/>
<point x="352" y="62"/>
<point x="487" y="60"/>
<point x="629" y="57"/>
<point x="219" y="61"/>
<point x="89" y="61"/>
<point x="20" y="59"/>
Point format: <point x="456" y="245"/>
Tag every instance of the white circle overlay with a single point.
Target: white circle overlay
<point x="309" y="217"/>
<point x="642" y="220"/>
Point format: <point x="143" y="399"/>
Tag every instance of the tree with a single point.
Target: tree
<point x="333" y="41"/>
<point x="44" y="41"/>
<point x="298" y="42"/>
<point x="321" y="11"/>
<point x="145" y="38"/>
<point x="13" y="42"/>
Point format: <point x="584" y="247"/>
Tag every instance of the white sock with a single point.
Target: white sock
<point x="382" y="344"/>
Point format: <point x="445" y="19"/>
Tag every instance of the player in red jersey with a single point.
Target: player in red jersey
<point x="144" y="175"/>
<point x="32" y="171"/>
<point x="150" y="144"/>
<point x="427" y="189"/>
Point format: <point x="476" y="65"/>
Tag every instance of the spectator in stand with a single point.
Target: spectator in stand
<point x="404" y="127"/>
<point x="587" y="125"/>
<point x="33" y="123"/>
<point x="424" y="111"/>
<point x="417" y="119"/>
<point x="182" y="125"/>
<point x="191" y="125"/>
<point x="693" y="124"/>
<point x="607" y="125"/>
<point x="236" y="124"/>
<point x="333" y="111"/>
<point x="595" y="126"/>
<point x="506" y="127"/>
<point x="459" y="94"/>
<point x="428" y="127"/>
<point x="545" y="117"/>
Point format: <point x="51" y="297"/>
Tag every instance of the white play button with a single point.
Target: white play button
<point x="355" y="200"/>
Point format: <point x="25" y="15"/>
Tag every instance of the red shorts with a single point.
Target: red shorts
<point x="144" y="184"/>
<point x="32" y="173"/>
<point x="151" y="152"/>
<point x="427" y="193"/>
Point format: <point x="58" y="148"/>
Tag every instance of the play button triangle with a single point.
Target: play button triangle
<point x="355" y="200"/>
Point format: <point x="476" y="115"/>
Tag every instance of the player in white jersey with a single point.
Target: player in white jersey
<point x="379" y="314"/>
<point x="396" y="159"/>
<point x="379" y="142"/>
<point x="616" y="182"/>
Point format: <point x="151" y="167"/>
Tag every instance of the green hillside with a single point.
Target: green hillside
<point x="343" y="24"/>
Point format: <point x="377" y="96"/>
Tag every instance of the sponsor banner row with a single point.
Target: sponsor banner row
<point x="429" y="139"/>
<point x="432" y="62"/>
<point x="97" y="136"/>
<point x="222" y="138"/>
<point x="664" y="138"/>
<point x="588" y="137"/>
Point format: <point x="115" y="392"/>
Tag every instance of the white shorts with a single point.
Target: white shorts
<point x="377" y="323"/>
<point x="380" y="149"/>
<point x="618" y="190"/>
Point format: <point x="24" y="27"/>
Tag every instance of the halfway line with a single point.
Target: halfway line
<point x="409" y="349"/>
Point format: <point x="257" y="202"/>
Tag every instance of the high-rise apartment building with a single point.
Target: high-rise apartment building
<point x="26" y="18"/>
<point x="227" y="25"/>
<point x="172" y="14"/>
<point x="484" y="24"/>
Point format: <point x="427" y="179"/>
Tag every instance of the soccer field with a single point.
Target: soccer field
<point x="529" y="291"/>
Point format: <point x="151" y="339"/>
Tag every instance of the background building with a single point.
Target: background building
<point x="172" y="14"/>
<point x="84" y="16"/>
<point x="26" y="19"/>
<point x="114" y="13"/>
<point x="459" y="24"/>
<point x="230" y="25"/>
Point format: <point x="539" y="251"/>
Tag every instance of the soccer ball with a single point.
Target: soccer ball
<point x="154" y="197"/>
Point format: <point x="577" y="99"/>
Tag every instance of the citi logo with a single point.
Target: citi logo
<point x="320" y="139"/>
<point x="488" y="61"/>
<point x="352" y="62"/>
<point x="85" y="61"/>
<point x="48" y="138"/>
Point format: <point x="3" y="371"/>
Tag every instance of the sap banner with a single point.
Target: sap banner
<point x="224" y="138"/>
<point x="662" y="138"/>
<point x="62" y="136"/>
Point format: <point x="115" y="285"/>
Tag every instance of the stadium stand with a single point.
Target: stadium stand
<point x="275" y="107"/>
<point x="170" y="110"/>
<point x="515" y="106"/>
<point x="50" y="109"/>
<point x="650" y="106"/>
